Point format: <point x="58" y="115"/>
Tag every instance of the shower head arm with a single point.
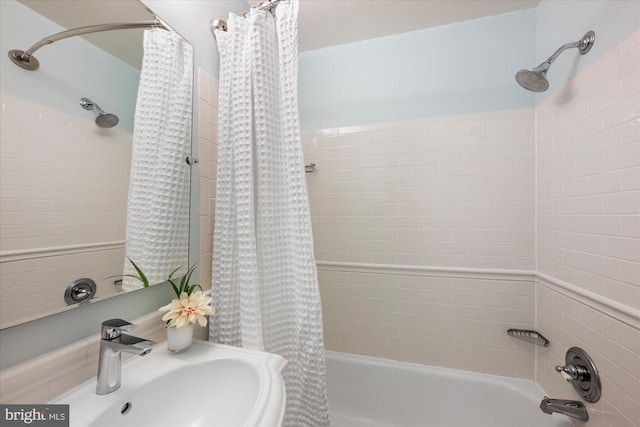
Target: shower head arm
<point x="88" y="104"/>
<point x="561" y="49"/>
<point x="583" y="45"/>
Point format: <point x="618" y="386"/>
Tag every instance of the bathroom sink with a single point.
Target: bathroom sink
<point x="207" y="385"/>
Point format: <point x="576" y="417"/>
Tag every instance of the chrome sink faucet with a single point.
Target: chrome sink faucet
<point x="570" y="408"/>
<point x="112" y="344"/>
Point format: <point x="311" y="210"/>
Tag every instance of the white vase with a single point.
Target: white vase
<point x="179" y="339"/>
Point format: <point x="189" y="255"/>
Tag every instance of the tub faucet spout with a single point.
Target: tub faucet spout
<point x="112" y="344"/>
<point x="570" y="408"/>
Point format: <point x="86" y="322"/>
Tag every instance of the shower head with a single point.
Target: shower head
<point x="535" y="79"/>
<point x="104" y="120"/>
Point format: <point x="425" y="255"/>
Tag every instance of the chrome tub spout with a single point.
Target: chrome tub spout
<point x="570" y="408"/>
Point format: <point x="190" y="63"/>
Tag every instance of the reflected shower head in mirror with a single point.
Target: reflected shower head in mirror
<point x="104" y="120"/>
<point x="535" y="79"/>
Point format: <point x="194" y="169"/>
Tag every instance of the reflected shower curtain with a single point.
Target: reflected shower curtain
<point x="264" y="284"/>
<point x="157" y="235"/>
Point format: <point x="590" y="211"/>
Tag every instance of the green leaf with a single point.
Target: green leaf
<point x="174" y="272"/>
<point x="184" y="282"/>
<point x="175" y="289"/>
<point x="142" y="278"/>
<point x="188" y="276"/>
<point x="193" y="287"/>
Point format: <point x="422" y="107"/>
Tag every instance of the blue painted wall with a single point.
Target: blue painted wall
<point x="452" y="69"/>
<point x="466" y="67"/>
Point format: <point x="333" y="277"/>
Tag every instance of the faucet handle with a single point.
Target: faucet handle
<point x="573" y="372"/>
<point x="112" y="328"/>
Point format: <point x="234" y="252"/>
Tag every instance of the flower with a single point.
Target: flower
<point x="187" y="309"/>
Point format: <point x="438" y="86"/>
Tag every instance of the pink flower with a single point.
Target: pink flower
<point x="187" y="309"/>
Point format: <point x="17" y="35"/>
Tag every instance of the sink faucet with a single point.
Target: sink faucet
<point x="571" y="408"/>
<point x="112" y="344"/>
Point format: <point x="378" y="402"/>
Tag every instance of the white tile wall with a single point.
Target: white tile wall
<point x="452" y="192"/>
<point x="589" y="229"/>
<point x="32" y="287"/>
<point x="589" y="178"/>
<point x="459" y="192"/>
<point x="208" y="156"/>
<point x="439" y="319"/>
<point x="64" y="185"/>
<point x="64" y="180"/>
<point x="446" y="191"/>
<point x="613" y="345"/>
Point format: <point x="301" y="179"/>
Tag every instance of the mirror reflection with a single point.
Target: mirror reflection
<point x="93" y="148"/>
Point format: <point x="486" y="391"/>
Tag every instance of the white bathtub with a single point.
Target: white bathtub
<point x="368" y="392"/>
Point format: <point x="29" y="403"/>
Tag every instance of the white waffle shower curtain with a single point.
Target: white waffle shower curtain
<point x="157" y="232"/>
<point x="265" y="286"/>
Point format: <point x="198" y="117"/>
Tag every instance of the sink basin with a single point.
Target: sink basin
<point x="207" y="385"/>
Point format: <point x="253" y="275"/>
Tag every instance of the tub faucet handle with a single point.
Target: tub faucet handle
<point x="573" y="372"/>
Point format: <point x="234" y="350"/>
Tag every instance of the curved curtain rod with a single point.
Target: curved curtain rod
<point x="26" y="60"/>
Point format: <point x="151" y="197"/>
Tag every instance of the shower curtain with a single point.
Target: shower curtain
<point x="264" y="282"/>
<point x="157" y="232"/>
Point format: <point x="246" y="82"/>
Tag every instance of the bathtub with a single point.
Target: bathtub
<point x="370" y="392"/>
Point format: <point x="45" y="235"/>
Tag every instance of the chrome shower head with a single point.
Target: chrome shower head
<point x="535" y="79"/>
<point x="104" y="120"/>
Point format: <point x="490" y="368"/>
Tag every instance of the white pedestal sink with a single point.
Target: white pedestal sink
<point x="208" y="385"/>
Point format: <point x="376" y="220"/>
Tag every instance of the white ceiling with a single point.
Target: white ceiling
<point x="322" y="23"/>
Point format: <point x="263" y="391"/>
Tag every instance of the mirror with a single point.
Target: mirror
<point x="65" y="175"/>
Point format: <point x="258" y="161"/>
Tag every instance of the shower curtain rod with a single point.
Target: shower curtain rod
<point x="266" y="5"/>
<point x="221" y="24"/>
<point x="26" y="60"/>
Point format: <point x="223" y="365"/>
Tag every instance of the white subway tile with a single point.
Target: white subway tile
<point x="631" y="132"/>
<point x="605" y="183"/>
<point x="622" y="203"/>
<point x="630" y="85"/>
<point x="627" y="110"/>
<point x="630" y="225"/>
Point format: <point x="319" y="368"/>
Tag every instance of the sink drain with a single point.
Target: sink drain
<point x="126" y="408"/>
